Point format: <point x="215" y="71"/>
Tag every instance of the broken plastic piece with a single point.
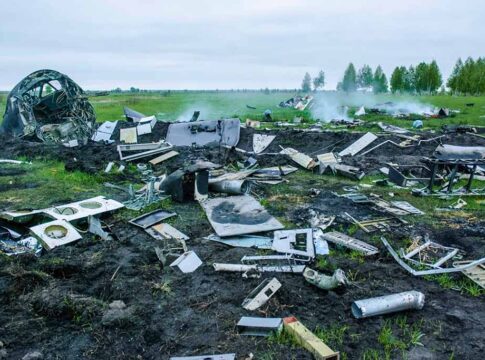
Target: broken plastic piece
<point x="188" y="262"/>
<point x="309" y="340"/>
<point x="261" y="294"/>
<point x="324" y="281"/>
<point x="388" y="304"/>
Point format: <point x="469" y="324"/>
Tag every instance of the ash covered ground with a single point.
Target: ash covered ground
<point x="59" y="303"/>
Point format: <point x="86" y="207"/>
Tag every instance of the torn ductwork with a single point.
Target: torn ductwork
<point x="51" y="106"/>
<point x="324" y="281"/>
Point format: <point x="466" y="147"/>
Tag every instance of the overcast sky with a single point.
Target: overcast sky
<point x="196" y="44"/>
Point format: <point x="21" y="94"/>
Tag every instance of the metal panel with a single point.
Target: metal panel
<point x="200" y="133"/>
<point x="351" y="243"/>
<point x="146" y="220"/>
<point x="261" y="294"/>
<point x="257" y="326"/>
<point x="238" y="215"/>
<point x="359" y="145"/>
<point x="261" y="142"/>
<point x="55" y="233"/>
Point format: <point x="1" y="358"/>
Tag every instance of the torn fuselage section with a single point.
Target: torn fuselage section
<point x="51" y="106"/>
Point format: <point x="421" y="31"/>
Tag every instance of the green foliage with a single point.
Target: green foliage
<point x="365" y="78"/>
<point x="306" y="84"/>
<point x="468" y="78"/>
<point x="349" y="82"/>
<point x="332" y="335"/>
<point x="379" y="83"/>
<point x="319" y="81"/>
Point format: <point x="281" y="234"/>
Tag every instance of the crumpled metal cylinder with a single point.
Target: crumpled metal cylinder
<point x="324" y="281"/>
<point x="388" y="304"/>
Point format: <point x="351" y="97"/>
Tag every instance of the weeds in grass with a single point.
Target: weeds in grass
<point x="371" y="354"/>
<point x="332" y="335"/>
<point x="282" y="337"/>
<point x="163" y="287"/>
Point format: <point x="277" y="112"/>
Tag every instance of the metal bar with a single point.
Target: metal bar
<point x="388" y="304"/>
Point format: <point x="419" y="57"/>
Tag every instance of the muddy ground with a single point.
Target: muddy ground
<point x="59" y="303"/>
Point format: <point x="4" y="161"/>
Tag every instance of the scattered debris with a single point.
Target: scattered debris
<point x="475" y="273"/>
<point x="206" y="357"/>
<point x="301" y="159"/>
<point x="203" y="133"/>
<point x="249" y="241"/>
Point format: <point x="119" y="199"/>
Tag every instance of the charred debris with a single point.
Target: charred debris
<point x="50" y="106"/>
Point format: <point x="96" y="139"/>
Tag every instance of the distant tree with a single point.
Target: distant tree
<point x="410" y="80"/>
<point x="435" y="79"/>
<point x="319" y="81"/>
<point x="340" y="86"/>
<point x="453" y="80"/>
<point x="306" y="84"/>
<point x="365" y="77"/>
<point x="379" y="84"/>
<point x="266" y="91"/>
<point x="422" y="77"/>
<point x="349" y="82"/>
<point x="397" y="80"/>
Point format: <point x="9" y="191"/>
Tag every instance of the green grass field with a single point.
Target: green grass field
<point x="170" y="106"/>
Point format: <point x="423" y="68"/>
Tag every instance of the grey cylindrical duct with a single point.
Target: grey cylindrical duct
<point x="236" y="187"/>
<point x="388" y="304"/>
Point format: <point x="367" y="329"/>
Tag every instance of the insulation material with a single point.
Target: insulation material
<point x="129" y="135"/>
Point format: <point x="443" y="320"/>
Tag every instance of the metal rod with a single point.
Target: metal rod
<point x="388" y="304"/>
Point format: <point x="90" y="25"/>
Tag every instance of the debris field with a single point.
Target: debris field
<point x="214" y="240"/>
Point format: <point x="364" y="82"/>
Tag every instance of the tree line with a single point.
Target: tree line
<point x="467" y="78"/>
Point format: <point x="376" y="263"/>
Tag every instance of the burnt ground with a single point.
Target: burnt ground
<point x="58" y="303"/>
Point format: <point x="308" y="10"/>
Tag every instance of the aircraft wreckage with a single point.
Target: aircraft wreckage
<point x="51" y="106"/>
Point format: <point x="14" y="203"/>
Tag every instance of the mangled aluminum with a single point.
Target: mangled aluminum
<point x="139" y="151"/>
<point x="432" y="271"/>
<point x="261" y="294"/>
<point x="409" y="300"/>
<point x="51" y="106"/>
<point x="350" y="242"/>
<point x="248" y="241"/>
<point x="204" y="133"/>
<point x="475" y="273"/>
<point x="324" y="281"/>
<point x="233" y="187"/>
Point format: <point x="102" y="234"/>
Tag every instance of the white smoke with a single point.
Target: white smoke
<point x="332" y="105"/>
